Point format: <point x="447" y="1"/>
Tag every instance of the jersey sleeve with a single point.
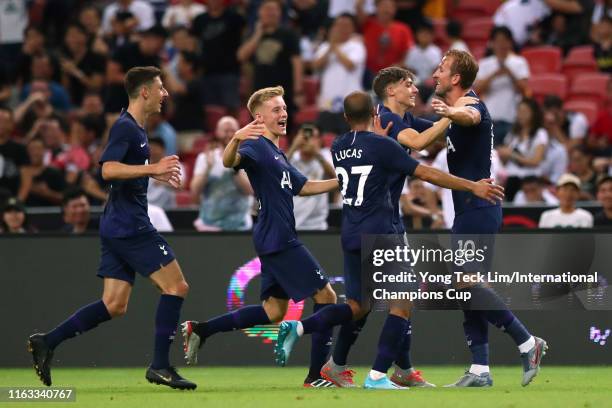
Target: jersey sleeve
<point x="395" y="159"/>
<point x="118" y="143"/>
<point x="420" y="124"/>
<point x="397" y="126"/>
<point x="297" y="180"/>
<point x="248" y="154"/>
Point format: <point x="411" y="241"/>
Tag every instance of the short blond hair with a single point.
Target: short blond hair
<point x="262" y="95"/>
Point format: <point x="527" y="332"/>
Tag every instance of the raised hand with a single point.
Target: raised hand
<point x="378" y="129"/>
<point x="488" y="190"/>
<point x="440" y="108"/>
<point x="251" y="131"/>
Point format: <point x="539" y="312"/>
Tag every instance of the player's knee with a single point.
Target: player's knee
<point x="116" y="308"/>
<point x="179" y="289"/>
<point x="275" y="313"/>
<point x="358" y="310"/>
<point x="325" y="295"/>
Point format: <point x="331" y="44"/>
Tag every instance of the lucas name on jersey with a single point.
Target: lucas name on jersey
<point x="347" y="154"/>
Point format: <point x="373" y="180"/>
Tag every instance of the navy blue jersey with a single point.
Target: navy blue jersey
<point x="469" y="150"/>
<point x="125" y="213"/>
<point x="275" y="182"/>
<point x="366" y="165"/>
<point x="399" y="124"/>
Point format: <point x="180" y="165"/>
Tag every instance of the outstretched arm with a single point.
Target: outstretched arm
<point x="464" y="116"/>
<point x="231" y="157"/>
<point x="313" y="187"/>
<point x="167" y="169"/>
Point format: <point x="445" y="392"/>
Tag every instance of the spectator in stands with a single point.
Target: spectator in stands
<point x="525" y="146"/>
<point x="83" y="70"/>
<point x="599" y="141"/>
<point x="306" y="154"/>
<point x="387" y="40"/>
<point x="182" y="14"/>
<point x="502" y="81"/>
<point x="41" y="185"/>
<point x="160" y="194"/>
<point x="601" y="9"/>
<point x="569" y="128"/>
<point x="42" y="81"/>
<point x="224" y="193"/>
<point x="93" y="106"/>
<point x="410" y="12"/>
<point x="142" y="53"/>
<point x="275" y="52"/>
<point x="158" y="127"/>
<point x="567" y="215"/>
<point x="453" y="32"/>
<point x="424" y="57"/>
<point x="140" y="14"/>
<point x="581" y="165"/>
<point x="341" y="62"/>
<point x="90" y="17"/>
<point x="602" y="50"/>
<point x="310" y="17"/>
<point x="13" y="219"/>
<point x="570" y="23"/>
<point x="604" y="196"/>
<point x="337" y="7"/>
<point x="33" y="44"/>
<point x="421" y="204"/>
<point x="35" y="107"/>
<point x="13" y="155"/>
<point x="77" y="212"/>
<point x="520" y="16"/>
<point x="533" y="191"/>
<point x="555" y="161"/>
<point x="219" y="31"/>
<point x="187" y="100"/>
<point x="181" y="40"/>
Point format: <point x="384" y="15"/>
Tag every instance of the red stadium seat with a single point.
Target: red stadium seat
<point x="590" y="109"/>
<point x="311" y="89"/>
<point x="244" y="116"/>
<point x="184" y="198"/>
<point x="590" y="86"/>
<point x="283" y="143"/>
<point x="213" y="114"/>
<point x="476" y="31"/>
<point x="328" y="139"/>
<point x="479" y="51"/>
<point x="307" y="114"/>
<point x="468" y="9"/>
<point x="579" y="60"/>
<point x="543" y="60"/>
<point x="440" y="37"/>
<point x="547" y="84"/>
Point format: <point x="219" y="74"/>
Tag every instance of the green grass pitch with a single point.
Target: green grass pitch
<point x="584" y="387"/>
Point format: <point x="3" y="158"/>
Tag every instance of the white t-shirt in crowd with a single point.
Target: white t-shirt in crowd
<point x="502" y="98"/>
<point x="519" y="15"/>
<point x="555" y="161"/>
<point x="179" y="15"/>
<point x="579" y="218"/>
<point x="459" y="45"/>
<point x="311" y="212"/>
<point x="527" y="148"/>
<point x="159" y="219"/>
<point x="548" y="198"/>
<point x="142" y="10"/>
<point x="13" y="21"/>
<point x="423" y="61"/>
<point x="578" y="125"/>
<point x="336" y="80"/>
<point x="337" y="7"/>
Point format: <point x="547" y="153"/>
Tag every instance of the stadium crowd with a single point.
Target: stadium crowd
<point x="544" y="75"/>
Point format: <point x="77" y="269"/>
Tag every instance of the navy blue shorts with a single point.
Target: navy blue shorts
<point x="352" y="275"/>
<point x="477" y="228"/>
<point x="121" y="258"/>
<point x="293" y="273"/>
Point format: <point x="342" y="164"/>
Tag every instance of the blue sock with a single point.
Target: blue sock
<point x="347" y="336"/>
<point x="166" y="321"/>
<point x="84" y="319"/>
<point x="320" y="345"/>
<point x="497" y="313"/>
<point x="389" y="342"/>
<point x="327" y="317"/>
<point x="247" y="316"/>
<point x="476" y="331"/>
<point x="403" y="357"/>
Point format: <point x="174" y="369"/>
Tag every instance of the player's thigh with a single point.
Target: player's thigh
<point x="296" y="271"/>
<point x="276" y="308"/>
<point x="116" y="295"/>
<point x="170" y="280"/>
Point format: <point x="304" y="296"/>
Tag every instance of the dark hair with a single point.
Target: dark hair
<point x="358" y="107"/>
<point x="604" y="179"/>
<point x="503" y="30"/>
<point x="463" y="64"/>
<point x="137" y="77"/>
<point x="531" y="179"/>
<point x="425" y="25"/>
<point x="389" y="76"/>
<point x="154" y="140"/>
<point x="552" y="101"/>
<point x="454" y="28"/>
<point x="92" y="123"/>
<point x="78" y="26"/>
<point x="191" y="58"/>
<point x="71" y="194"/>
<point x="350" y="17"/>
<point x="536" y="120"/>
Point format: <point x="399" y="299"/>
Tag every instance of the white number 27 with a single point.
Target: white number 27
<point x="364" y="172"/>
